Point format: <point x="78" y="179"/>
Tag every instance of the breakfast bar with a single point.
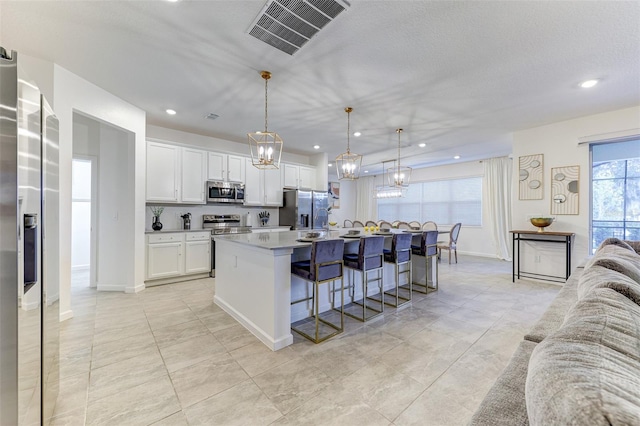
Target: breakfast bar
<point x="255" y="286"/>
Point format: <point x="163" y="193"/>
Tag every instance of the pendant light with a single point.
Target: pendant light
<point x="348" y="164"/>
<point x="398" y="176"/>
<point x="266" y="146"/>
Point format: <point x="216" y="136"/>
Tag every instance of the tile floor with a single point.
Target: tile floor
<point x="169" y="356"/>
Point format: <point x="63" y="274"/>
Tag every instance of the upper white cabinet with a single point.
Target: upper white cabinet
<point x="262" y="187"/>
<point x="175" y="174"/>
<point x="226" y="167"/>
<point x="299" y="177"/>
<point x="162" y="172"/>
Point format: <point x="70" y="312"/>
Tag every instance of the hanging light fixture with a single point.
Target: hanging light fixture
<point x="266" y="147"/>
<point x="387" y="191"/>
<point x="399" y="176"/>
<point x="348" y="164"/>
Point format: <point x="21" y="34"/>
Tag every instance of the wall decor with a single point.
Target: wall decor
<point x="334" y="194"/>
<point x="565" y="182"/>
<point x="531" y="167"/>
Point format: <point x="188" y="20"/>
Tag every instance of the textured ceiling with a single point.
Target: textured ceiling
<point x="459" y="76"/>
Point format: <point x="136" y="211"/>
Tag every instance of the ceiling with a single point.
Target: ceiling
<point x="459" y="76"/>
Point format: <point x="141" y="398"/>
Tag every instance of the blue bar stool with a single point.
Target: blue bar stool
<point x="400" y="254"/>
<point x="429" y="250"/>
<point x="368" y="259"/>
<point x="326" y="265"/>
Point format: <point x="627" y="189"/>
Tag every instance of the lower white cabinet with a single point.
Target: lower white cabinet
<point x="177" y="254"/>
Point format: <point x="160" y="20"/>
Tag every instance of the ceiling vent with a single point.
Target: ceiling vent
<point x="211" y="116"/>
<point x="288" y="24"/>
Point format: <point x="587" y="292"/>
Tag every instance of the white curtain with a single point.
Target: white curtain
<point x="366" y="203"/>
<point x="498" y="178"/>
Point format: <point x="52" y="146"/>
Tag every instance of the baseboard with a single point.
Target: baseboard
<point x="134" y="289"/>
<point x="161" y="281"/>
<point x="274" y="345"/>
<point x="80" y="267"/>
<point x="66" y="315"/>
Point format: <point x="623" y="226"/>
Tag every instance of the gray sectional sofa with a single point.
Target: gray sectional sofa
<point x="580" y="363"/>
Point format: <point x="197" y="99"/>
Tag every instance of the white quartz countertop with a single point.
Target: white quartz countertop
<point x="168" y="231"/>
<point x="288" y="239"/>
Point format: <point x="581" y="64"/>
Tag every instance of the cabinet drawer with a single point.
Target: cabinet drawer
<point x="198" y="236"/>
<point x="163" y="238"/>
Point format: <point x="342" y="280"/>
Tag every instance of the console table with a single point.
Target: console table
<point x="556" y="237"/>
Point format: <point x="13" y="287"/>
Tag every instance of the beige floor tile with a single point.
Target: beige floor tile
<point x="325" y="411"/>
<point x="174" y="334"/>
<point x="143" y="404"/>
<point x="256" y="358"/>
<point x="71" y="418"/>
<point x="207" y="378"/>
<point x="112" y="352"/>
<point x="244" y="404"/>
<point x="190" y="352"/>
<point x="176" y="419"/>
<point x="290" y="385"/>
<point x="218" y="321"/>
<point x="120" y="376"/>
<point x="157" y="321"/>
<point x="235" y="337"/>
<point x="72" y="394"/>
<point x="437" y="406"/>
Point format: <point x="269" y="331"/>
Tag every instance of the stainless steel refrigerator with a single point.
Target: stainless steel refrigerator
<point x="29" y="290"/>
<point x="304" y="209"/>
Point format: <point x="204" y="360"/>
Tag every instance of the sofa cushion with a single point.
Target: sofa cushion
<point x="588" y="371"/>
<point x="553" y="317"/>
<point x="613" y="267"/>
<point x="505" y="402"/>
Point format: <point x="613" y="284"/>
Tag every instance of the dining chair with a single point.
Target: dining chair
<point x="347" y="224"/>
<point x="358" y="224"/>
<point x="414" y="224"/>
<point x="370" y="223"/>
<point x="452" y="243"/>
<point x="429" y="226"/>
<point x="395" y="223"/>
<point x="403" y="225"/>
<point x="326" y="265"/>
<point x="384" y="224"/>
<point x="427" y="249"/>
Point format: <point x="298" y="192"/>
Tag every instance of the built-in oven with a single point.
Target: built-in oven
<point x="225" y="192"/>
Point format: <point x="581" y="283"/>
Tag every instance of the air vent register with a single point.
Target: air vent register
<point x="288" y="24"/>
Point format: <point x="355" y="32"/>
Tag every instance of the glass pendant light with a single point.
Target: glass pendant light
<point x="348" y="164"/>
<point x="399" y="176"/>
<point x="266" y="147"/>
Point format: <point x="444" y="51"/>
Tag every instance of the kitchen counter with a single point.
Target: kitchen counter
<point x="168" y="231"/>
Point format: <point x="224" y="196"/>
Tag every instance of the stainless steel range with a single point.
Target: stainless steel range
<point x="222" y="224"/>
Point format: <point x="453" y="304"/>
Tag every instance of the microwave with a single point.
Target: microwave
<point x="225" y="192"/>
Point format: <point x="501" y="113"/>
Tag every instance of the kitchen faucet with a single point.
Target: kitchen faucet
<point x="316" y="218"/>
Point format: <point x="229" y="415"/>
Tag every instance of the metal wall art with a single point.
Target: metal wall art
<point x="565" y="182"/>
<point x="531" y="177"/>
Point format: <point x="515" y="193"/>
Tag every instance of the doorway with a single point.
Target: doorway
<point x="83" y="249"/>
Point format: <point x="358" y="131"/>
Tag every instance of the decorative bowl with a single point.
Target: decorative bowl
<point x="385" y="229"/>
<point x="353" y="232"/>
<point x="541" y="222"/>
<point x="333" y="223"/>
<point x="312" y="235"/>
<point x="415" y="228"/>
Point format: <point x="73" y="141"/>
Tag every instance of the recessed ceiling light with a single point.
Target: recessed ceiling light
<point x="422" y="145"/>
<point x="457" y="157"/>
<point x="589" y="83"/>
<point x="330" y="165"/>
<point x="356" y="134"/>
<point x="171" y="112"/>
<point x="366" y="171"/>
<point x="172" y="1"/>
<point x="316" y="147"/>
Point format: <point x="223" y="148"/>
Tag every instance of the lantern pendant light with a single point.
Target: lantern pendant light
<point x="348" y="164"/>
<point x="399" y="176"/>
<point x="266" y="147"/>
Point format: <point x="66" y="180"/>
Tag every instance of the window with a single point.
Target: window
<point x="615" y="189"/>
<point x="443" y="201"/>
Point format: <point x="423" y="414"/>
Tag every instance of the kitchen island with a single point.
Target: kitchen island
<point x="255" y="286"/>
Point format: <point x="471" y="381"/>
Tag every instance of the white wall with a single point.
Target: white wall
<point x="558" y="143"/>
<point x="72" y="93"/>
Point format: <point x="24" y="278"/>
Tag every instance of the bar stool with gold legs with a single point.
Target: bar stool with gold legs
<point x="400" y="254"/>
<point x="368" y="259"/>
<point x="427" y="249"/>
<point x="326" y="265"/>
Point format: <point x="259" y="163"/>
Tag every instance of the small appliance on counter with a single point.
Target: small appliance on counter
<point x="186" y="221"/>
<point x="222" y="224"/>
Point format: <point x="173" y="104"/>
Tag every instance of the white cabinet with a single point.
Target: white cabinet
<point x="193" y="176"/>
<point x="301" y="177"/>
<point x="226" y="167"/>
<point x="162" y="172"/>
<point x="175" y="174"/>
<point x="178" y="254"/>
<point x="262" y="187"/>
